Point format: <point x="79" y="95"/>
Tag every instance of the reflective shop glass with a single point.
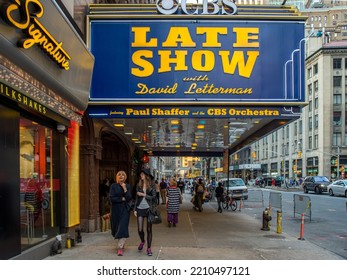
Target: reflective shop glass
<point x="38" y="186"/>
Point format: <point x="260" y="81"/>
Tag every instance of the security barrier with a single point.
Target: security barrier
<point x="255" y="195"/>
<point x="275" y="200"/>
<point x="302" y="205"/>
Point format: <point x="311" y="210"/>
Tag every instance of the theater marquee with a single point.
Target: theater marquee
<point x="217" y="59"/>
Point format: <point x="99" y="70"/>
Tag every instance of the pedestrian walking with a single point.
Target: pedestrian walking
<point x="163" y="189"/>
<point x="120" y="195"/>
<point x="145" y="198"/>
<point x="180" y="185"/>
<point x="199" y="194"/>
<point x="174" y="199"/>
<point x="219" y="195"/>
<point x="157" y="190"/>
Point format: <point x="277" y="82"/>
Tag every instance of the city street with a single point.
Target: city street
<point x="328" y="225"/>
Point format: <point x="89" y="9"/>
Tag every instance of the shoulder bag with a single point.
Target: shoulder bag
<point x="154" y="216"/>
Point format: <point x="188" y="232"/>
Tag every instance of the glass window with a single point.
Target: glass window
<point x="316" y="121"/>
<point x="316" y="103"/>
<point x="315" y="84"/>
<point x="337" y="63"/>
<point x="309" y="89"/>
<point x="337" y="118"/>
<point x="315" y="69"/>
<point x="300" y="127"/>
<point x="336" y="139"/>
<point x="38" y="187"/>
<point x="315" y="141"/>
<point x="287" y="131"/>
<point x="310" y="106"/>
<point x="295" y="128"/>
<point x="310" y="142"/>
<point x="337" y="99"/>
<point x="310" y="123"/>
<point x="309" y="72"/>
<point x="337" y="81"/>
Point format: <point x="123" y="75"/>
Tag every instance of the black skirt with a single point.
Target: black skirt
<point x="142" y="212"/>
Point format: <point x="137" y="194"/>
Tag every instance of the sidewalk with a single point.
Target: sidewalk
<point x="201" y="235"/>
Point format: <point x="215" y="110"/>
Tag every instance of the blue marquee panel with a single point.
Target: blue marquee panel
<point x="110" y="111"/>
<point x="202" y="74"/>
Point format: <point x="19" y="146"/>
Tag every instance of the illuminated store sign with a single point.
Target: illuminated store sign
<point x="169" y="7"/>
<point x="22" y="99"/>
<point x="24" y="15"/>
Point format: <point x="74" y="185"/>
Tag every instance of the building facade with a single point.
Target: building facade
<point x="45" y="73"/>
<point x="316" y="143"/>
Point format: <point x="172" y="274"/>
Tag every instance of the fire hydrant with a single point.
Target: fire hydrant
<point x="266" y="219"/>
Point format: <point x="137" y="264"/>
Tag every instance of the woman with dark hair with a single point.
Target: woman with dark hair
<point x="120" y="195"/>
<point x="145" y="197"/>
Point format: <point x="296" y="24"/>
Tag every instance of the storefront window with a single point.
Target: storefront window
<point x="37" y="186"/>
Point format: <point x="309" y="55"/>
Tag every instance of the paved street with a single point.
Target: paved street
<point x="206" y="235"/>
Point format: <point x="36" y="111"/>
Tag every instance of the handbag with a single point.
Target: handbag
<point x="154" y="216"/>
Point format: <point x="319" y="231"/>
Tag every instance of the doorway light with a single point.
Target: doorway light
<point x="128" y="130"/>
<point x="119" y="123"/>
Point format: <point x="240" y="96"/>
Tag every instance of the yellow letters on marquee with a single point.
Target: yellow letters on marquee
<point x="200" y="58"/>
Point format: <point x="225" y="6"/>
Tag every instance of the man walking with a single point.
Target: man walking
<point x="163" y="189"/>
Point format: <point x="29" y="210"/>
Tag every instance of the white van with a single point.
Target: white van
<point x="236" y="187"/>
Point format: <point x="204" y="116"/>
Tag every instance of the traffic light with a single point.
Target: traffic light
<point x="333" y="161"/>
<point x="299" y="154"/>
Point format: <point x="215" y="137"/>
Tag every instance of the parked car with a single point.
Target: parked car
<point x="338" y="187"/>
<point x="267" y="181"/>
<point x="236" y="187"/>
<point x="317" y="184"/>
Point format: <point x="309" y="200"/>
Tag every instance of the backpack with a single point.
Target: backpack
<point x="200" y="188"/>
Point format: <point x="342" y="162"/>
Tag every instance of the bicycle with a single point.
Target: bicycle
<point x="228" y="201"/>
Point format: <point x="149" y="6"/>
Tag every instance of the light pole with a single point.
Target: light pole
<point x="338" y="163"/>
<point x="297" y="147"/>
<point x="228" y="152"/>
